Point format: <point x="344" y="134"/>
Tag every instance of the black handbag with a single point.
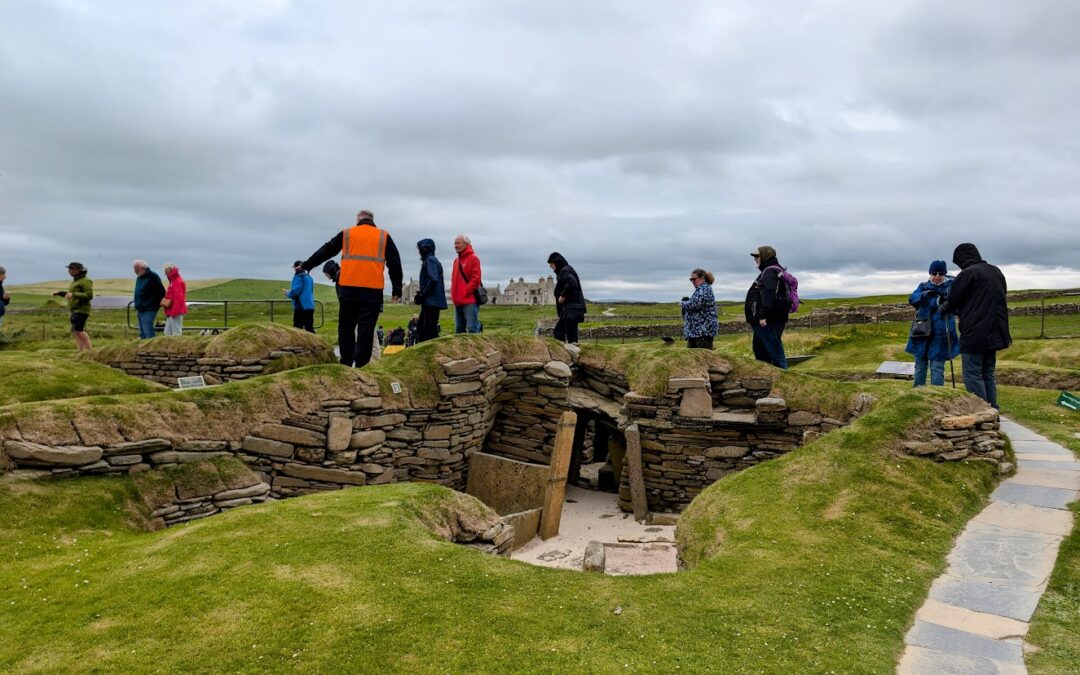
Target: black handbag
<point x="921" y="328"/>
<point x="480" y="294"/>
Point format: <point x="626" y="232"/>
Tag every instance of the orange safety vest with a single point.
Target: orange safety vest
<point x="363" y="257"/>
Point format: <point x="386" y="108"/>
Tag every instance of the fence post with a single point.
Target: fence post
<point x="226" y="324"/>
<point x="272" y="310"/>
<point x="1042" y="320"/>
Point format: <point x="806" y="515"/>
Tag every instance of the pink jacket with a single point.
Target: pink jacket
<point x="177" y="293"/>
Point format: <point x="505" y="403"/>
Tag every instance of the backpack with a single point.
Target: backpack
<point x="792" y="285"/>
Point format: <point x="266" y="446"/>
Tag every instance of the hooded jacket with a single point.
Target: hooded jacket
<point x="302" y="291"/>
<point x="465" y="267"/>
<point x="177" y="293"/>
<point x="432" y="291"/>
<point x="977" y="296"/>
<point x="148" y="291"/>
<point x="568" y="286"/>
<point x="766" y="297"/>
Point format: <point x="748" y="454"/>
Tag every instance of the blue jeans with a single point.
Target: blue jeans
<point x="979" y="375"/>
<point x="146" y="323"/>
<point x="768" y="346"/>
<point x="937" y="371"/>
<point x="466" y="318"/>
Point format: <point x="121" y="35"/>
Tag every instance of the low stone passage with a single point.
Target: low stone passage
<point x="978" y="611"/>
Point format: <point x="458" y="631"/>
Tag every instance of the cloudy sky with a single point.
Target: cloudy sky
<point x="640" y="139"/>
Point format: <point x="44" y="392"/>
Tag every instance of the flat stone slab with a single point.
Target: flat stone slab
<point x="1070" y="480"/>
<point x="1056" y="522"/>
<point x="1015" y="432"/>
<point x="1041" y="448"/>
<point x="896" y="368"/>
<point x="1033" y="495"/>
<point x="1047" y="465"/>
<point x="1003" y="556"/>
<point x="980" y="623"/>
<point x="962" y="643"/>
<point x="920" y="661"/>
<point x="1015" y="603"/>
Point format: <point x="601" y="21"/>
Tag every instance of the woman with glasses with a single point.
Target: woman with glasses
<point x="941" y="345"/>
<point x="699" y="312"/>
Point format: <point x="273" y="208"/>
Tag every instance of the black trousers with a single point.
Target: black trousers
<point x="304" y="319"/>
<point x="566" y="330"/>
<point x="700" y="342"/>
<point x="427" y="326"/>
<point x="356" y="330"/>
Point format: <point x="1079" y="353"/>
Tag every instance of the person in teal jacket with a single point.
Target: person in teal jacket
<point x="942" y="344"/>
<point x="302" y="293"/>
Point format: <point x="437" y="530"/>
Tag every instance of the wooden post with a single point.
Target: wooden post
<point x="556" y="487"/>
<point x="633" y="468"/>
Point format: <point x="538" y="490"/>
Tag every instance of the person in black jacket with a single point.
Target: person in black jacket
<point x="767" y="307"/>
<point x="431" y="295"/>
<point x="978" y="297"/>
<point x="569" y="299"/>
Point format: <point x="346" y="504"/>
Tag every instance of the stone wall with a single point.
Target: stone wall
<point x="166" y="368"/>
<point x="969" y="437"/>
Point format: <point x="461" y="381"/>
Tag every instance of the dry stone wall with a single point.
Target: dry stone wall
<point x="165" y="368"/>
<point x="969" y="437"/>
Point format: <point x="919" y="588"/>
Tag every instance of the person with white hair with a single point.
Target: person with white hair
<point x="149" y="292"/>
<point x="465" y="283"/>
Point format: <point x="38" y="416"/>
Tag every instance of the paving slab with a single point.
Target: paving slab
<point x="1033" y="495"/>
<point x="1055" y="522"/>
<point x="1041" y="448"/>
<point x="920" y="661"/>
<point x="1004" y="556"/>
<point x="1070" y="480"/>
<point x="1017" y="432"/>
<point x="1015" y="603"/>
<point x="1047" y="465"/>
<point x="1045" y="457"/>
<point x="962" y="643"/>
<point x="979" y="623"/>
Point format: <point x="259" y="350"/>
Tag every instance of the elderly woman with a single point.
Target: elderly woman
<point x="175" y="301"/>
<point x="699" y="312"/>
<point x="941" y="345"/>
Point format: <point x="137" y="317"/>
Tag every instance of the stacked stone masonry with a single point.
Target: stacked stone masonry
<point x="971" y="437"/>
<point x="166" y="368"/>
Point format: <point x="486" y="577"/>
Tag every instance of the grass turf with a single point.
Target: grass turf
<point x="42" y="376"/>
<point x="815" y="561"/>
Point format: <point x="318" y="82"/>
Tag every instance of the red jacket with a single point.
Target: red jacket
<point x="460" y="292"/>
<point x="177" y="293"/>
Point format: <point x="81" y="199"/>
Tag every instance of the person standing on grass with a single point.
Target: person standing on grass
<point x="5" y="297"/>
<point x="432" y="294"/>
<point x="932" y="351"/>
<point x="175" y="300"/>
<point x="767" y="307"/>
<point x="700" y="324"/>
<point x="302" y="293"/>
<point x="79" y="296"/>
<point x="367" y="252"/>
<point x="149" y="292"/>
<point x="569" y="299"/>
<point x="464" y="281"/>
<point x="332" y="270"/>
<point x="978" y="297"/>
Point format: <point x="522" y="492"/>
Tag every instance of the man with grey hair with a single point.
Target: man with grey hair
<point x="5" y="297"/>
<point x="464" y="282"/>
<point x="149" y="292"/>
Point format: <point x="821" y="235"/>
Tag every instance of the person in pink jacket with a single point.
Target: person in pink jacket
<point x="175" y="301"/>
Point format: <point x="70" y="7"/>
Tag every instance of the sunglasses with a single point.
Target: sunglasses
<point x="937" y="274"/>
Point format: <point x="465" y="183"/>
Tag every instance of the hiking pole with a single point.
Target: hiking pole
<point x="948" y="348"/>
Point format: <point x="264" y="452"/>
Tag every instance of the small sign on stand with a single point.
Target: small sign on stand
<point x="193" y="382"/>
<point x="1070" y="401"/>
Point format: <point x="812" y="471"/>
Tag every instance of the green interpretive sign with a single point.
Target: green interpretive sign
<point x="1070" y="401"/>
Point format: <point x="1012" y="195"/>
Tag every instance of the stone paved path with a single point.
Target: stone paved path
<point x="977" y="614"/>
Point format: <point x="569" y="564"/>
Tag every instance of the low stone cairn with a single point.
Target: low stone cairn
<point x="970" y="437"/>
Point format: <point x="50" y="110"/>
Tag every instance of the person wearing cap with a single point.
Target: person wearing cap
<point x="766" y="308"/>
<point x="367" y="253"/>
<point x="978" y="297"/>
<point x="932" y="351"/>
<point x="302" y="294"/>
<point x="175" y="300"/>
<point x="149" y="292"/>
<point x="5" y="297"/>
<point x="79" y="296"/>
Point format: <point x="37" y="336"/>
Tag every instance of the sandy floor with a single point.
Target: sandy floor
<point x="595" y="516"/>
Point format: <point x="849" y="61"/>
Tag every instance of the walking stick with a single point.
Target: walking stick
<point x="948" y="347"/>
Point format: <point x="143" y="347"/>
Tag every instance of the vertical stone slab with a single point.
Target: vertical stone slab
<point x="560" y="467"/>
<point x="634" y="469"/>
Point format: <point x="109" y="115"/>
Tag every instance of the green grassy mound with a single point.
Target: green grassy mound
<point x="43" y="376"/>
<point x="812" y="562"/>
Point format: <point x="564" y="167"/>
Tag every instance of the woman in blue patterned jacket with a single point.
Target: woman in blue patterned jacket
<point x="941" y="345"/>
<point x="699" y="312"/>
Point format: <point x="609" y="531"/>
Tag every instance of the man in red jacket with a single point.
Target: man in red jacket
<point x="463" y="284"/>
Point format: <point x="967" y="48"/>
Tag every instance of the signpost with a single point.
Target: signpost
<point x="1070" y="401"/>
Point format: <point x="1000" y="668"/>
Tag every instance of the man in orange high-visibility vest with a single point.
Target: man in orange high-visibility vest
<point x="367" y="251"/>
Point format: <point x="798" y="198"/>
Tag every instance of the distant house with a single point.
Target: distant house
<point x="522" y="292"/>
<point x="495" y="294"/>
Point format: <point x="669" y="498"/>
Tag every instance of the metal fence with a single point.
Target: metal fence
<point x="224" y="304"/>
